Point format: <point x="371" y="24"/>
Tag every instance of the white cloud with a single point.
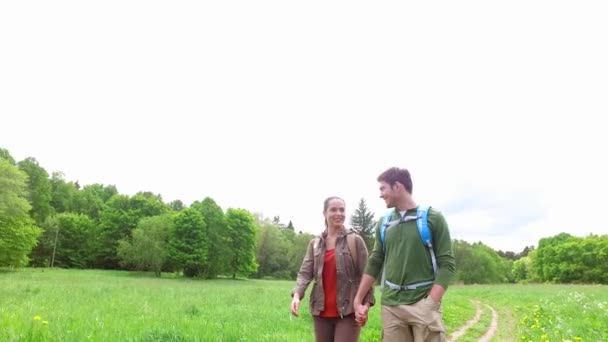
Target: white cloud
<point x="273" y="106"/>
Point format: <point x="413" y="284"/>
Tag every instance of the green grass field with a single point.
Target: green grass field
<point x="91" y="305"/>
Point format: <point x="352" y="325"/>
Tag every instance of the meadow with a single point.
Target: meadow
<point x="95" y="305"/>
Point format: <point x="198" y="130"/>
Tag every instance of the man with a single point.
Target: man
<point x="412" y="292"/>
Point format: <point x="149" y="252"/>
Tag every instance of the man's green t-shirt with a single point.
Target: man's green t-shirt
<point x="408" y="260"/>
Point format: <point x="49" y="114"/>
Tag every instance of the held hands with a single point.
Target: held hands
<point x="295" y="305"/>
<point x="361" y="314"/>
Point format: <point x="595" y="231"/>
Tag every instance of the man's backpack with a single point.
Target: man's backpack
<point x="423" y="230"/>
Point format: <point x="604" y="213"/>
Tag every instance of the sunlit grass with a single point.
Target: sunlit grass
<point x="105" y="306"/>
<point x="546" y="312"/>
<point x="91" y="305"/>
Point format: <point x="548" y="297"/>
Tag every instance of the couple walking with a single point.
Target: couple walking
<point x="412" y="252"/>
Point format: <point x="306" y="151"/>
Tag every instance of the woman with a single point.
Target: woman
<point x="335" y="260"/>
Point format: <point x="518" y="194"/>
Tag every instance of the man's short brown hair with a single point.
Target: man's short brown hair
<point x="394" y="175"/>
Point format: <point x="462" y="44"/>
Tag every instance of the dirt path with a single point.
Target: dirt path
<point x="489" y="333"/>
<point x="468" y="324"/>
<point x="493" y="326"/>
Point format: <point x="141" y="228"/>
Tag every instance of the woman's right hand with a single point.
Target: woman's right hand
<point x="295" y="305"/>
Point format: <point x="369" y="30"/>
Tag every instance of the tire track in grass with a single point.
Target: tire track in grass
<point x="475" y="320"/>
<point x="462" y="330"/>
<point x="493" y="326"/>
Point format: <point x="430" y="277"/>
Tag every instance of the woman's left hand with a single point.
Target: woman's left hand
<point x="361" y="320"/>
<point x="295" y="305"/>
<point x="361" y="314"/>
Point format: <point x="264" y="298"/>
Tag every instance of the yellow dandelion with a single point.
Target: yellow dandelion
<point x="37" y="318"/>
<point x="576" y="338"/>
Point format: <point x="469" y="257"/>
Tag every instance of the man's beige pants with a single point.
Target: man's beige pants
<point x="418" y="322"/>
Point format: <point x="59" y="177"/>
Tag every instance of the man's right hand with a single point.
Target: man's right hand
<point x="361" y="314"/>
<point x="366" y="284"/>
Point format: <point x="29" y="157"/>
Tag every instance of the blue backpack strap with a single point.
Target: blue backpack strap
<point x="385" y="220"/>
<point x="384" y="223"/>
<point x="423" y="225"/>
<point x="425" y="233"/>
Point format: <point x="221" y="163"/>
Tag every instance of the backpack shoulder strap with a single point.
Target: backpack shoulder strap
<point x="427" y="240"/>
<point x="423" y="225"/>
<point x="425" y="233"/>
<point x="384" y="222"/>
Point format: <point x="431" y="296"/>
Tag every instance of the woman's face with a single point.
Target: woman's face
<point x="335" y="213"/>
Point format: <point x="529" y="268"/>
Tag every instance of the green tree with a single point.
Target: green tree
<point x="4" y="154"/>
<point x="242" y="230"/>
<point x="188" y="245"/>
<point x="508" y="255"/>
<point x="522" y="269"/>
<point x="288" y="232"/>
<point x="148" y="249"/>
<point x="18" y="232"/>
<point x="217" y="236"/>
<point x="297" y="252"/>
<point x="480" y="264"/>
<point x="525" y="252"/>
<point x="272" y="251"/>
<point x="177" y="205"/>
<point x="39" y="189"/>
<point x="92" y="199"/>
<point x="546" y="261"/>
<point x="118" y="219"/>
<point x="64" y="197"/>
<point x="363" y="223"/>
<point x="568" y="259"/>
<point x="277" y="221"/>
<point x="63" y="194"/>
<point x="70" y="235"/>
<point x="290" y="226"/>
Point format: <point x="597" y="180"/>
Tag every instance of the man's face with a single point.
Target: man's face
<point x="388" y="194"/>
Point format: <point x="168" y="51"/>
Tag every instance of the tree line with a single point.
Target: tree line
<point x="47" y="221"/>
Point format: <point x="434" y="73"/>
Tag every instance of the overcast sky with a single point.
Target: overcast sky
<point x="272" y="106"/>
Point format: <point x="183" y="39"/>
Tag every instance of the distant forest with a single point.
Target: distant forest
<point x="48" y="221"/>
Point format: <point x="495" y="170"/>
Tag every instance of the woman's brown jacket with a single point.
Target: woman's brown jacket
<point x="350" y="265"/>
